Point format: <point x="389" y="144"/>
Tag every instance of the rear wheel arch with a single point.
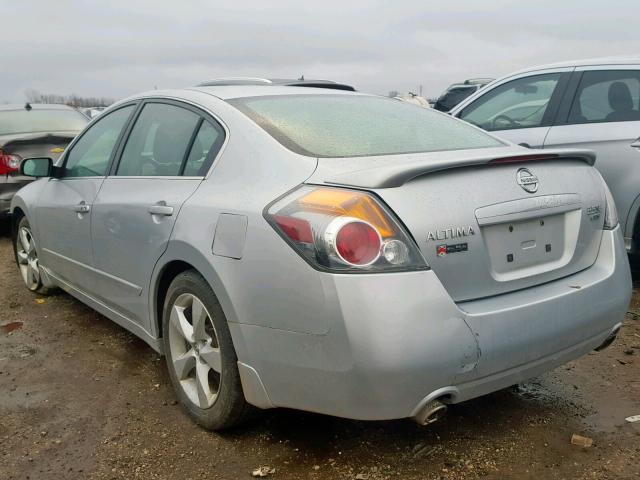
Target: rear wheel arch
<point x="169" y="271"/>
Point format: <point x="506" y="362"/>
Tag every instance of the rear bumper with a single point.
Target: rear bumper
<point x="7" y="191"/>
<point x="397" y="341"/>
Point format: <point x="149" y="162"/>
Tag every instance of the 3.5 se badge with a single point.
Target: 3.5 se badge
<point x="442" y="250"/>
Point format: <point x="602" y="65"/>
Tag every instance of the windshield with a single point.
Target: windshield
<point x="36" y="120"/>
<point x="358" y="125"/>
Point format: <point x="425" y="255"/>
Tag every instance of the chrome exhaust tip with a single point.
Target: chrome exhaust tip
<point x="431" y="412"/>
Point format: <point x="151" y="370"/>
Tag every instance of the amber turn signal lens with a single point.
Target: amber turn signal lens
<point x="348" y="203"/>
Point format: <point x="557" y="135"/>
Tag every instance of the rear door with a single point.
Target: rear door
<point x="64" y="208"/>
<point x="169" y="150"/>
<point x="520" y="109"/>
<point x="603" y="114"/>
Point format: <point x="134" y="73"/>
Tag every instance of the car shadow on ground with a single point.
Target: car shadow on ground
<point x="634" y="263"/>
<point x="5" y="228"/>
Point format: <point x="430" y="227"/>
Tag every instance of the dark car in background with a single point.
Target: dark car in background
<point x="37" y="130"/>
<point x="457" y="92"/>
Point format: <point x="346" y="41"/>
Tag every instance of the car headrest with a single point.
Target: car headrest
<point x="169" y="144"/>
<point x="620" y="97"/>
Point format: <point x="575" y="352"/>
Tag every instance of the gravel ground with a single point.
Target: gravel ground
<point x="82" y="398"/>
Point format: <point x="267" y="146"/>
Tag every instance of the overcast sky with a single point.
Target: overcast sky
<point x="116" y="48"/>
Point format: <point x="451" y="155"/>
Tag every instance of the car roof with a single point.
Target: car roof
<point x="300" y="82"/>
<point x="622" y="60"/>
<point x="463" y="85"/>
<point x="35" y="106"/>
<point x="227" y="92"/>
<point x="471" y="82"/>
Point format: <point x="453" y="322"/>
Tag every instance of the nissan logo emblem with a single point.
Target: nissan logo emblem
<point x="527" y="180"/>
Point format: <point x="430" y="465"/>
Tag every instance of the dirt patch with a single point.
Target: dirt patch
<point x="11" y="327"/>
<point x="82" y="398"/>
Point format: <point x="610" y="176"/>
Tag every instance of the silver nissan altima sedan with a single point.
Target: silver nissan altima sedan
<point x="325" y="250"/>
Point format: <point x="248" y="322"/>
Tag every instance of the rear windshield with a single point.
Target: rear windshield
<point x="28" y="121"/>
<point x="358" y="125"/>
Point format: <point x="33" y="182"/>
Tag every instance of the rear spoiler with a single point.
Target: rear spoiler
<point x="56" y="138"/>
<point x="398" y="171"/>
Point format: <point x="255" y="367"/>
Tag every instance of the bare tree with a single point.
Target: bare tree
<point x="34" y="96"/>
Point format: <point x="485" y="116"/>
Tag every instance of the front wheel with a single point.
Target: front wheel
<point x="26" y="255"/>
<point x="200" y="356"/>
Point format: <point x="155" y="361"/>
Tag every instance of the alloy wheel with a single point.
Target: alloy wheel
<point x="28" y="258"/>
<point x="195" y="350"/>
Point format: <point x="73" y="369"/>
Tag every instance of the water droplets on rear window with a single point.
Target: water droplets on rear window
<point x="328" y="125"/>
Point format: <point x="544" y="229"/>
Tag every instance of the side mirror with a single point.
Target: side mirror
<point x="37" y="167"/>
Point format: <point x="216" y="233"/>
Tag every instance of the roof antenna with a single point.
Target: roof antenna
<point x="301" y="77"/>
<point x="27" y="106"/>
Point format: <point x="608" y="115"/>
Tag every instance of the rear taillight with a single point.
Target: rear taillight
<point x="9" y="163"/>
<point x="344" y="230"/>
<point x="353" y="241"/>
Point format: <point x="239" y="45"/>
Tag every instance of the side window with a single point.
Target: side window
<point x="607" y="96"/>
<point x="158" y="141"/>
<point x="521" y="103"/>
<point x="90" y="156"/>
<point x="205" y="147"/>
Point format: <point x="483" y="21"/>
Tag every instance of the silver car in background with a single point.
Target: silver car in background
<point x="592" y="104"/>
<point x="31" y="131"/>
<point x="325" y="250"/>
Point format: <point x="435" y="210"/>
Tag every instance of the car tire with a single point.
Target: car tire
<point x="26" y="256"/>
<point x="194" y="350"/>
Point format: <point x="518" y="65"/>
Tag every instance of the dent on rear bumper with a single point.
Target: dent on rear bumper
<point x="398" y="340"/>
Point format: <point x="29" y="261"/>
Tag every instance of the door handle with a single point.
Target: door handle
<point x="82" y="207"/>
<point x="161" y="208"/>
<point x="636" y="144"/>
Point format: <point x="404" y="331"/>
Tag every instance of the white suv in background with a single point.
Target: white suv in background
<point x="593" y="104"/>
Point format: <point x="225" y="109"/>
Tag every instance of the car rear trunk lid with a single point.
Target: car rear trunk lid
<point x="38" y="144"/>
<point x="481" y="229"/>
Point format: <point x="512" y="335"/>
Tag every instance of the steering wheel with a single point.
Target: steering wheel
<point x="500" y="118"/>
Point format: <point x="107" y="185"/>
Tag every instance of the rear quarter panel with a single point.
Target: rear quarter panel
<point x="263" y="286"/>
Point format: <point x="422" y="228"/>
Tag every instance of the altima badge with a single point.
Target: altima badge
<point x="527" y="180"/>
<point x="452" y="232"/>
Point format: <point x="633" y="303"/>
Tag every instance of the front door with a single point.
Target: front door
<point x="64" y="209"/>
<point x="518" y="110"/>
<point x="164" y="160"/>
